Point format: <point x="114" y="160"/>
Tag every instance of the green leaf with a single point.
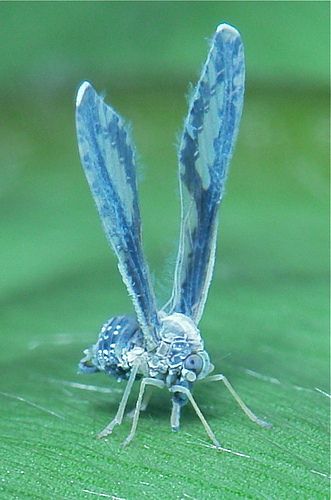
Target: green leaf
<point x="265" y="324"/>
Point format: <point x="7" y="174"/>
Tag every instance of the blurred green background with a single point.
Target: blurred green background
<point x="266" y="320"/>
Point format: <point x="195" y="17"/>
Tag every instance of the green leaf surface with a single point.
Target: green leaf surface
<point x="265" y="324"/>
<point x="267" y="315"/>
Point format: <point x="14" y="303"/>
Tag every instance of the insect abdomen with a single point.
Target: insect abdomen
<point x="117" y="337"/>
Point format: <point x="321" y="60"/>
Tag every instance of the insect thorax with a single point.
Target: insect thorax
<point x="178" y="356"/>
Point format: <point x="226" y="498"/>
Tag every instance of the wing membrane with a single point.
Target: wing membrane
<point x="109" y="164"/>
<point x="206" y="147"/>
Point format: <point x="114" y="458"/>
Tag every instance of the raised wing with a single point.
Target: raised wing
<point x="109" y="164"/>
<point x="206" y="147"/>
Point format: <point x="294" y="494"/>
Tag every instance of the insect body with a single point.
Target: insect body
<point x="164" y="347"/>
<point x="119" y="338"/>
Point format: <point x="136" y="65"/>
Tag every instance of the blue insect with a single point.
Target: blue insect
<point x="164" y="348"/>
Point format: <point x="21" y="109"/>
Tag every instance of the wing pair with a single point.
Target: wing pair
<point x="108" y="159"/>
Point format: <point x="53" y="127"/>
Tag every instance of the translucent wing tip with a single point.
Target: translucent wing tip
<point x="82" y="92"/>
<point x="227" y="29"/>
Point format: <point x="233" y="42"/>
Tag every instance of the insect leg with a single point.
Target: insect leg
<point x="235" y="395"/>
<point x="144" y="403"/>
<point x="175" y="416"/>
<point x="121" y="409"/>
<point x="187" y="392"/>
<point x="145" y="381"/>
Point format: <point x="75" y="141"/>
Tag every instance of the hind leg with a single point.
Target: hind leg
<point x="144" y="403"/>
<point x="144" y="383"/>
<point x="117" y="420"/>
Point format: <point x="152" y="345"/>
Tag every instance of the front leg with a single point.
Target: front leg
<point x="175" y="416"/>
<point x="187" y="392"/>
<point x="235" y="395"/>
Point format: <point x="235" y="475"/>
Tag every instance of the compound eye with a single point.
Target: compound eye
<point x="194" y="363"/>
